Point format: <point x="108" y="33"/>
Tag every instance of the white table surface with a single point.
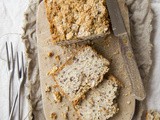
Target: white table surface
<point x="11" y="21"/>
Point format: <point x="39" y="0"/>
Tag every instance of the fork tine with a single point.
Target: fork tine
<point x="22" y="63"/>
<point x="12" y="54"/>
<point x="15" y="100"/>
<point x="22" y="75"/>
<point x="18" y="65"/>
<point x="20" y="72"/>
<point x="8" y="63"/>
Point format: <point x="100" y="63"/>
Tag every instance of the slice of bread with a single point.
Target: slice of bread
<point x="100" y="102"/>
<point x="73" y="21"/>
<point x="81" y="72"/>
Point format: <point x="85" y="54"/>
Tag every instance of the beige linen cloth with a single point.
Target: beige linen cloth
<point x="140" y="22"/>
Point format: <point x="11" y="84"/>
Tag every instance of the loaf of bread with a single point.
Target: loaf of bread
<point x="100" y="102"/>
<point x="72" y="21"/>
<point x="81" y="72"/>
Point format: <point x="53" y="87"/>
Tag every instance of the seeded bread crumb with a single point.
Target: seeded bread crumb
<point x="83" y="71"/>
<point x="100" y="102"/>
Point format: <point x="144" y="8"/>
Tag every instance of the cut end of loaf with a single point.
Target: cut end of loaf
<point x="77" y="21"/>
<point x="83" y="71"/>
<point x="100" y="102"/>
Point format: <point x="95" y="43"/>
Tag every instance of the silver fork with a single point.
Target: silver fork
<point x="21" y="74"/>
<point x="10" y="64"/>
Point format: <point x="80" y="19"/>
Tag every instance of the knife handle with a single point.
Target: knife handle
<point x="131" y="67"/>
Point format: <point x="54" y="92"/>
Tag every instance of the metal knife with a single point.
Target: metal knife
<point x="119" y="31"/>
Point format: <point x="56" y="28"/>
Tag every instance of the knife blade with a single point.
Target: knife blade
<point x="119" y="31"/>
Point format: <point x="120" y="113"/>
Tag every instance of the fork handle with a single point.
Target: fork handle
<point x="14" y="103"/>
<point x="10" y="91"/>
<point x="13" y="107"/>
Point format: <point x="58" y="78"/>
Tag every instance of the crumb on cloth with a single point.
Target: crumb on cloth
<point x="53" y="116"/>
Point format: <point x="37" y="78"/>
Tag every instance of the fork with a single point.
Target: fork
<point x="10" y="65"/>
<point x="21" y="73"/>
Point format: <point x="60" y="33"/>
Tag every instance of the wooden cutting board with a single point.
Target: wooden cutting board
<point x="109" y="48"/>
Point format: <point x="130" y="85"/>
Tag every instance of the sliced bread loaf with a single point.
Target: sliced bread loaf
<point x="72" y="21"/>
<point x="100" y="102"/>
<point x="81" y="72"/>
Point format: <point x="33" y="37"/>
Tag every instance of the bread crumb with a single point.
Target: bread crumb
<point x="67" y="108"/>
<point x="83" y="97"/>
<point x="125" y="41"/>
<point x="65" y="115"/>
<point x="91" y="101"/>
<point x="57" y="58"/>
<point x="52" y="70"/>
<point x="57" y="97"/>
<point x="128" y="102"/>
<point x="50" y="54"/>
<point x="125" y="94"/>
<point x="48" y="89"/>
<point x="63" y="105"/>
<point x="75" y="102"/>
<point x="129" y="54"/>
<point x="116" y="53"/>
<point x="55" y="86"/>
<point x="53" y="116"/>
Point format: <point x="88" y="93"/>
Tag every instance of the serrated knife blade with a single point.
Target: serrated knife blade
<point x="119" y="30"/>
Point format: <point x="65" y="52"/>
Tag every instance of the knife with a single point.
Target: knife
<point x="119" y="31"/>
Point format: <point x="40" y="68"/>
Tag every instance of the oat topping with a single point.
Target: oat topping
<point x="57" y="97"/>
<point x="70" y="19"/>
<point x="48" y="89"/>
